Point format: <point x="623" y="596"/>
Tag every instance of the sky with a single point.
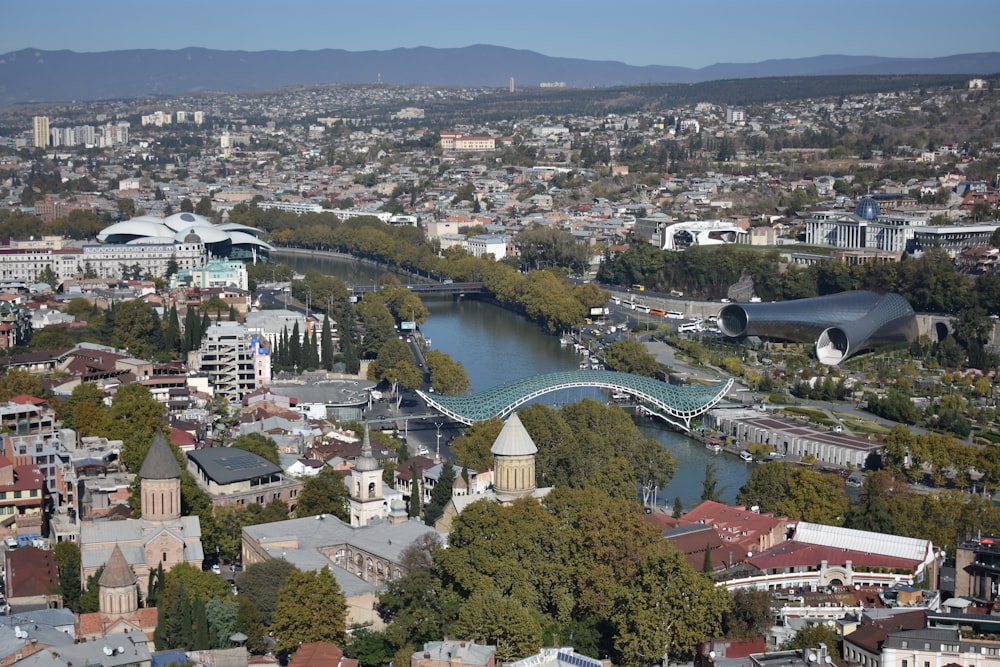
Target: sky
<point x="683" y="33"/>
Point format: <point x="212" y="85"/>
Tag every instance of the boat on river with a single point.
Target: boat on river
<point x="746" y="456"/>
<point x="713" y="445"/>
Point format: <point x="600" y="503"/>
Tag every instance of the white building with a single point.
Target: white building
<point x="488" y="244"/>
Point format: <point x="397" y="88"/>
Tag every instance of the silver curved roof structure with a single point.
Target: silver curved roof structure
<point x="841" y="325"/>
<point x="176" y="228"/>
<point x="677" y="405"/>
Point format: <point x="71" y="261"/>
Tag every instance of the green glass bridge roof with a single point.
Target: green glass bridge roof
<point x="675" y="404"/>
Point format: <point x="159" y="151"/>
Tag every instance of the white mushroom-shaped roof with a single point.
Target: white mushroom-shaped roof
<point x="239" y="238"/>
<point x="207" y="234"/>
<point x="178" y="228"/>
<point x="137" y="227"/>
<point x="513" y="439"/>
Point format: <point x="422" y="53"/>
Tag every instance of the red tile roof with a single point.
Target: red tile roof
<point x="799" y="554"/>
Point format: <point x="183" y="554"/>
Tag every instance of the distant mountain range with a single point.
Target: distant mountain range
<point x="33" y="75"/>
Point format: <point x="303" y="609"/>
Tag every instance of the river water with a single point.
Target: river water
<point x="496" y="346"/>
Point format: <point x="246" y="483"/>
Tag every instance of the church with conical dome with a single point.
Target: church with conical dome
<point x="161" y="536"/>
<point x="513" y="472"/>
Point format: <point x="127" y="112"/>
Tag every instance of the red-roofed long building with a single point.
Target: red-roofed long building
<point x="821" y="556"/>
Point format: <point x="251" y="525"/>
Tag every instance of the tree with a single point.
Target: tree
<point x="204" y="206"/>
<point x="17" y="381"/>
<point x="796" y="492"/>
<point x="223" y="619"/>
<point x="258" y="444"/>
<point x="67" y="558"/>
<point x="324" y="493"/>
<point x="134" y="417"/>
<point x="440" y="494"/>
<point x="749" y="616"/>
<point x="369" y="648"/>
<point x="260" y="582"/>
<point x="678" y="507"/>
<point x="49" y="276"/>
<point x="710" y="485"/>
<point x="666" y="610"/>
<point x="872" y="513"/>
<point x="413" y="509"/>
<point x="326" y="344"/>
<point x="136" y="328"/>
<point x="311" y="608"/>
<point x="500" y="621"/>
<point x="196" y="583"/>
<point x="812" y="636"/>
<point x="416" y="609"/>
<point x="448" y="377"/>
<point x="631" y="356"/>
<point x="84" y="410"/>
<point x="90" y="600"/>
<point x="472" y="448"/>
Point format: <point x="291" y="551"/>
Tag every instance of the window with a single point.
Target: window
<point x="905" y="663"/>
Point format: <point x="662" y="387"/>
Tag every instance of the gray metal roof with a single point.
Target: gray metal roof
<point x="160" y="462"/>
<point x="514" y="439"/>
<point x="225" y="465"/>
<point x="312" y="536"/>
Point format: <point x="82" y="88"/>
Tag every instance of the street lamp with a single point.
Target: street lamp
<point x="437" y="452"/>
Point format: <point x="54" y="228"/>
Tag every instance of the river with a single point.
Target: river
<point x="496" y="346"/>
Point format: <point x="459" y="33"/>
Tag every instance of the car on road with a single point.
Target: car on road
<point x="216" y="569"/>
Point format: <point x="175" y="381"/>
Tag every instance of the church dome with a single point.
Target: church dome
<point x="513" y="439"/>
<point x="867" y="208"/>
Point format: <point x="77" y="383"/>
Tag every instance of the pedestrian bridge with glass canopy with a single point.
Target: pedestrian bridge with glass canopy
<point x="677" y="405"/>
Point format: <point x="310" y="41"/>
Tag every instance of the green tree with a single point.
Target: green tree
<point x="873" y="513"/>
<point x="440" y="494"/>
<point x="369" y="647"/>
<point x="49" y="277"/>
<point x="749" y="616"/>
<point x="472" y="448"/>
<point x="812" y="636"/>
<point x="17" y="381"/>
<point x="416" y="609"/>
<point x="258" y="444"/>
<point x="413" y="508"/>
<point x="324" y="493"/>
<point x="196" y="583"/>
<point x="136" y="328"/>
<point x="448" y="377"/>
<point x="84" y="410"/>
<point x="796" y="492"/>
<point x="260" y="582"/>
<point x="222" y="615"/>
<point x="666" y="610"/>
<point x="204" y="207"/>
<point x="500" y="621"/>
<point x="326" y="344"/>
<point x="710" y="485"/>
<point x="134" y="417"/>
<point x="90" y="600"/>
<point x="311" y="607"/>
<point x="67" y="558"/>
<point x="396" y="365"/>
<point x="631" y="356"/>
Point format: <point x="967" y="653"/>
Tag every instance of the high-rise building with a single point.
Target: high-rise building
<point x="41" y="131"/>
